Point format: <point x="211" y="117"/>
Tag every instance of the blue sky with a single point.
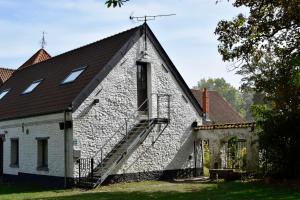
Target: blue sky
<point x="188" y="37"/>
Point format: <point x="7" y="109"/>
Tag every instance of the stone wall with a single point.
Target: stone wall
<point x="96" y="125"/>
<point x="217" y="137"/>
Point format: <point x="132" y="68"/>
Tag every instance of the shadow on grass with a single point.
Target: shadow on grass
<point x="7" y="188"/>
<point x="232" y="190"/>
<point x="224" y="191"/>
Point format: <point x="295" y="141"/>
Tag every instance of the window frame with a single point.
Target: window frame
<point x="82" y="69"/>
<point x="37" y="81"/>
<point x="5" y="92"/>
<point x="17" y="151"/>
<point x="43" y="155"/>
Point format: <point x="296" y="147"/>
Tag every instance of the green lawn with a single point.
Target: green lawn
<point x="156" y="190"/>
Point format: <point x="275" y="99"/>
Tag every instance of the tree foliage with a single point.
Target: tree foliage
<point x="115" y="3"/>
<point x="265" y="46"/>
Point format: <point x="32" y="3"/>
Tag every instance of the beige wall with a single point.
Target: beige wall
<point x="216" y="136"/>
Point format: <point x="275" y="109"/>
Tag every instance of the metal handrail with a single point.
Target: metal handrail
<point x="118" y="130"/>
<point x="133" y="116"/>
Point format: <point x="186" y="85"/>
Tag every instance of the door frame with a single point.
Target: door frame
<point x="149" y="86"/>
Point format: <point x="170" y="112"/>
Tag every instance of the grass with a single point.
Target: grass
<point x="156" y="190"/>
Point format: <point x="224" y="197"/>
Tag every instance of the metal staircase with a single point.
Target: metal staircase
<point x="94" y="171"/>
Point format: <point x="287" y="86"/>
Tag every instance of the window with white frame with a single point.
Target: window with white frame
<point x="32" y="86"/>
<point x="73" y="75"/>
<point x="3" y="93"/>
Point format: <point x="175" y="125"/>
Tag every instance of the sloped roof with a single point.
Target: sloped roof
<point x="40" y="56"/>
<point x="220" y="112"/>
<point x="52" y="97"/>
<point x="5" y="73"/>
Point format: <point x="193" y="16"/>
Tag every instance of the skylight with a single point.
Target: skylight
<point x="32" y="86"/>
<point x="3" y="93"/>
<point x="73" y="75"/>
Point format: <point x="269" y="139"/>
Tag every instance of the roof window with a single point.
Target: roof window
<point x="3" y="93"/>
<point x="73" y="75"/>
<point x="32" y="86"/>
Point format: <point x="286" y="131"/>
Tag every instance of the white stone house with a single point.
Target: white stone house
<point x="113" y="110"/>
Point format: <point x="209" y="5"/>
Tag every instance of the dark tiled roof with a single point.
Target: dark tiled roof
<point x="40" y="56"/>
<point x="219" y="110"/>
<point x="50" y="96"/>
<point x="5" y="73"/>
<point x="225" y="126"/>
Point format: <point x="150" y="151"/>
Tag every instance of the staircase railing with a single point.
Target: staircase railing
<point x="120" y="131"/>
<point x="161" y="110"/>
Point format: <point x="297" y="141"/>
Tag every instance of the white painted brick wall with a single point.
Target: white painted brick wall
<point x="93" y="125"/>
<point x="42" y="126"/>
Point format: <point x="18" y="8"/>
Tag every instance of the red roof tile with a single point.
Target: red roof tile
<point x="219" y="110"/>
<point x="40" y="56"/>
<point x="226" y="126"/>
<point x="5" y="74"/>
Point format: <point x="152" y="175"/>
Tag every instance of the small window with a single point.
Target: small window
<point x="14" y="154"/>
<point x="3" y="93"/>
<point x="73" y="75"/>
<point x="32" y="86"/>
<point x="42" y="160"/>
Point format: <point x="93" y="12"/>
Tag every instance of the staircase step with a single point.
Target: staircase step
<point x="137" y="134"/>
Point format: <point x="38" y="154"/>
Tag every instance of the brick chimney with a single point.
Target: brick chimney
<point x="205" y="103"/>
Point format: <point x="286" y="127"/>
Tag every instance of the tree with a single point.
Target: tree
<point x="265" y="46"/>
<point x="115" y="3"/>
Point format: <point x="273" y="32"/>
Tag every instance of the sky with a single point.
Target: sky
<point x="188" y="37"/>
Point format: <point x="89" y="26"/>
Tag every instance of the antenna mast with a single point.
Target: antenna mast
<point x="145" y="19"/>
<point x="43" y="41"/>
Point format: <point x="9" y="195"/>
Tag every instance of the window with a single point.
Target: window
<point x="42" y="159"/>
<point x="14" y="154"/>
<point x="3" y="93"/>
<point x="32" y="86"/>
<point x="73" y="75"/>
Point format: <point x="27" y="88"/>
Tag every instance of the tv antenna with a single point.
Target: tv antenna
<point x="148" y="17"/>
<point x="145" y="19"/>
<point x="43" y="40"/>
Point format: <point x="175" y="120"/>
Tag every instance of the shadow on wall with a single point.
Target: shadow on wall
<point x="180" y="160"/>
<point x="184" y="158"/>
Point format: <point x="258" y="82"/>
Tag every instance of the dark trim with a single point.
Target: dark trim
<point x="34" y="179"/>
<point x="173" y="70"/>
<point x="154" y="175"/>
<point x="105" y="71"/>
<point x="58" y="182"/>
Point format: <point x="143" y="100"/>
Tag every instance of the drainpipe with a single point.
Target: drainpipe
<point x="65" y="149"/>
